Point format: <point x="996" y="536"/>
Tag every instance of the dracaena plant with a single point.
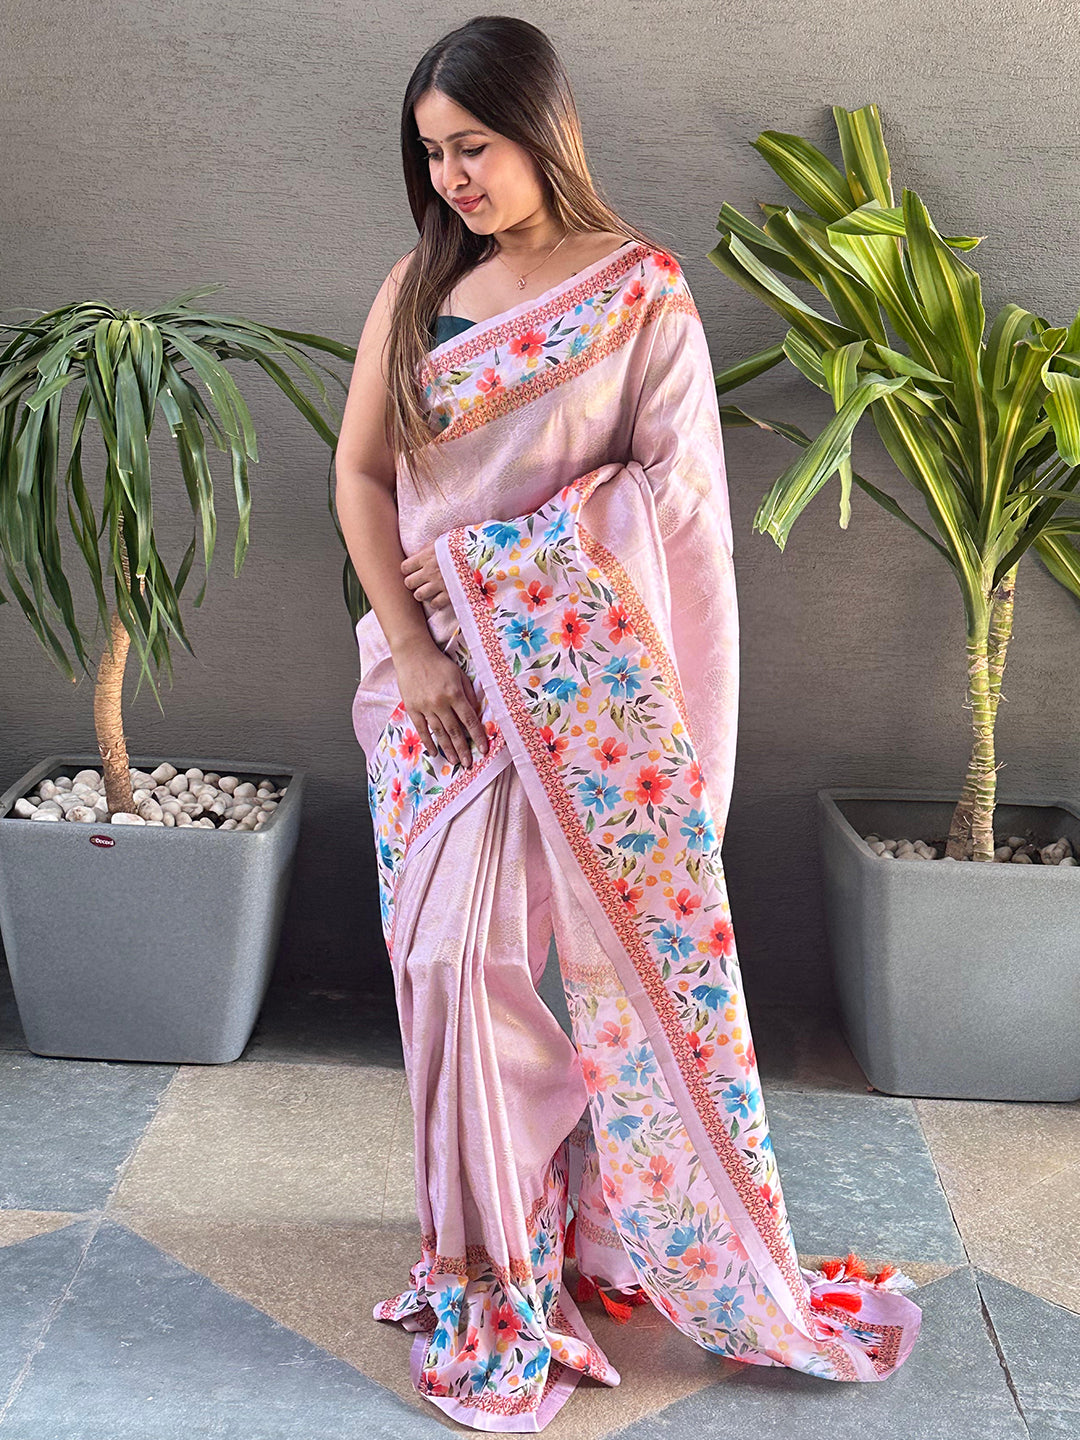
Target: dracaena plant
<point x="985" y="427"/>
<point x="117" y="369"/>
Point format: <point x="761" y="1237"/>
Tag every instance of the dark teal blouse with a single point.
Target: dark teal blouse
<point x="447" y="325"/>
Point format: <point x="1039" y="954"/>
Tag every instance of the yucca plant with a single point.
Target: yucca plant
<point x="986" y="428"/>
<point x="124" y="366"/>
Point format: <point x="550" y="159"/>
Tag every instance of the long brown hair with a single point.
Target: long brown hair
<point x="506" y="73"/>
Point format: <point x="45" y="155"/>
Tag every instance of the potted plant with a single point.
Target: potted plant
<point x="124" y="944"/>
<point x="957" y="976"/>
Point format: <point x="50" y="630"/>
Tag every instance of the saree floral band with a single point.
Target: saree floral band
<point x="587" y="552"/>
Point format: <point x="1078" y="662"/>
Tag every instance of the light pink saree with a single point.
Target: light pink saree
<point x="587" y="550"/>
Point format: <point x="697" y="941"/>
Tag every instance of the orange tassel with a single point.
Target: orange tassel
<point x="617" y="1309"/>
<point x="585" y="1289"/>
<point x="856" y="1269"/>
<point x="617" y="1304"/>
<point x="841" y="1299"/>
<point x="568" y="1241"/>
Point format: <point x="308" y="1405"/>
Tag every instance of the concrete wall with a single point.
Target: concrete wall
<point x="152" y="148"/>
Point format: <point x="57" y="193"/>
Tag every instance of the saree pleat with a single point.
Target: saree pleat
<point x="496" y="1089"/>
<point x="587" y="553"/>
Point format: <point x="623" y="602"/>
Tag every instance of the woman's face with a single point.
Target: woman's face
<point x="465" y="159"/>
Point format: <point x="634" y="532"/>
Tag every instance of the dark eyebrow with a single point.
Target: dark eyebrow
<point x="455" y="136"/>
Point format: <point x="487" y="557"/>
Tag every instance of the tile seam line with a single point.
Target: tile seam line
<point x="991" y="1331"/>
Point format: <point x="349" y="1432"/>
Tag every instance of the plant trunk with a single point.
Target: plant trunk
<point x="974" y="814"/>
<point x="108" y="711"/>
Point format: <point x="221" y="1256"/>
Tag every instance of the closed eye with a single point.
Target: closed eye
<point x="433" y="155"/>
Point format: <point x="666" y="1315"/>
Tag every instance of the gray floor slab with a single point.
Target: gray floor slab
<point x="951" y="1387"/>
<point x="143" y="1348"/>
<point x="66" y="1126"/>
<point x="33" y="1277"/>
<point x="1041" y="1345"/>
<point x="857" y="1174"/>
<point x="328" y="1027"/>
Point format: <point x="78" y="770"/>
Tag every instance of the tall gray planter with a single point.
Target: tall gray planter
<point x="956" y="980"/>
<point x="146" y="943"/>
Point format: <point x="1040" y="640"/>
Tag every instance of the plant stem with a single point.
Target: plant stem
<point x="969" y="811"/>
<point x="108" y="711"/>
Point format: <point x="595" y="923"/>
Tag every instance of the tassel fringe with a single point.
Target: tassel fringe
<point x="851" y="1268"/>
<point x="619" y="1304"/>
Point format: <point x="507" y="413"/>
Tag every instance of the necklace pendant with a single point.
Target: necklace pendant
<point x="521" y="283"/>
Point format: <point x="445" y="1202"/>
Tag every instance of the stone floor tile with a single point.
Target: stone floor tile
<point x="34" y="1273"/>
<point x="1032" y="1238"/>
<point x="16" y="1225"/>
<point x="857" y="1175"/>
<point x="991" y="1150"/>
<point x="294" y="1142"/>
<point x="1041" y="1346"/>
<point x="143" y="1348"/>
<point x="951" y="1387"/>
<point x="68" y="1126"/>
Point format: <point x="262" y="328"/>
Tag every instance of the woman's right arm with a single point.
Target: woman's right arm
<point x="437" y="694"/>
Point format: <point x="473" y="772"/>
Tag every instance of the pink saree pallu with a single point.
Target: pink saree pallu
<point x="584" y="536"/>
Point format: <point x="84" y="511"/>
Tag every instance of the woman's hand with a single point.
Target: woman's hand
<point x="424" y="578"/>
<point x="440" y="700"/>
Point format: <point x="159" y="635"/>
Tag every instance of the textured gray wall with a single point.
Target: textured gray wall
<point x="151" y="148"/>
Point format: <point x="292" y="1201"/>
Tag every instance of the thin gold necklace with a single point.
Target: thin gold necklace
<point x="523" y="278"/>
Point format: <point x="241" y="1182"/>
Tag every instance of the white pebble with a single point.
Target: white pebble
<point x="87" y="777"/>
<point x="228" y="783"/>
<point x="125" y="817"/>
<point x="40" y="814"/>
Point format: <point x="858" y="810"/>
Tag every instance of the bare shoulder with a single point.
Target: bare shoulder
<point x="602" y="242"/>
<point x="387" y="292"/>
<point x="362" y="444"/>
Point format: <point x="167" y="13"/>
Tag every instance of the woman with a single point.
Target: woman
<point x="534" y="497"/>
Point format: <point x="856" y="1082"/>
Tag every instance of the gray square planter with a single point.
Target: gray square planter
<point x="157" y="946"/>
<point x="954" y="980"/>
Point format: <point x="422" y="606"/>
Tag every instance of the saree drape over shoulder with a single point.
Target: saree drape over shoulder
<point x="585" y="540"/>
